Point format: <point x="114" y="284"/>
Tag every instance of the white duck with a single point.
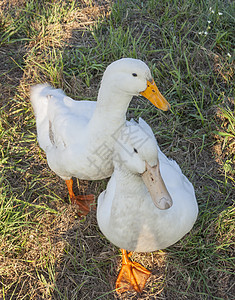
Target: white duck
<point x="148" y="204"/>
<point x="78" y="136"/>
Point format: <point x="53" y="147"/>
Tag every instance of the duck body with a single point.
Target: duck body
<point x="126" y="213"/>
<point x="79" y="136"/>
<point x="76" y="145"/>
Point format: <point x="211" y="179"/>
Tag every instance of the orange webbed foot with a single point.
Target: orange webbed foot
<point x="132" y="276"/>
<point x="84" y="202"/>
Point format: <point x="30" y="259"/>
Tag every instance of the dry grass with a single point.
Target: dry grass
<point x="46" y="251"/>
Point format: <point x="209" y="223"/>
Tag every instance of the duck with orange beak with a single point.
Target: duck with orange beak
<point x="79" y="136"/>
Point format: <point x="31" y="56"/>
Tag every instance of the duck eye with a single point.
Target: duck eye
<point x="134" y="74"/>
<point x="135" y="150"/>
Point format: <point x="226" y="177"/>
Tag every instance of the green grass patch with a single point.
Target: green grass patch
<point x="46" y="251"/>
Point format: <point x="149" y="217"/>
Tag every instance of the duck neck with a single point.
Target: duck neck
<point x="112" y="105"/>
<point x="127" y="181"/>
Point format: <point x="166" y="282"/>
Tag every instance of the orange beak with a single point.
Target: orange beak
<point x="154" y="96"/>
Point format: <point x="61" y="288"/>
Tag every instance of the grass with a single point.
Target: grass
<point x="46" y="251"/>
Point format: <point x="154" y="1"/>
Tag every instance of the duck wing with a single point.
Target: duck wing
<point x="60" y="120"/>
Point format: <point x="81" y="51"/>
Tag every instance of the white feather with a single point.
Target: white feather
<point x="126" y="214"/>
<point x="78" y="136"/>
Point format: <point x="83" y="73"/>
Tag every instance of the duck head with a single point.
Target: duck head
<point x="136" y="152"/>
<point x="133" y="77"/>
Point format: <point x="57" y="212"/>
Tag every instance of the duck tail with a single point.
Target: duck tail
<point x="39" y="97"/>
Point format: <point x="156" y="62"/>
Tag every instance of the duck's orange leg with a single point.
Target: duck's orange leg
<point x="85" y="202"/>
<point x="132" y="275"/>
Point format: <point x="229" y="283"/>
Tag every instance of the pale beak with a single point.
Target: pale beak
<point x="156" y="187"/>
<point x="154" y="96"/>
